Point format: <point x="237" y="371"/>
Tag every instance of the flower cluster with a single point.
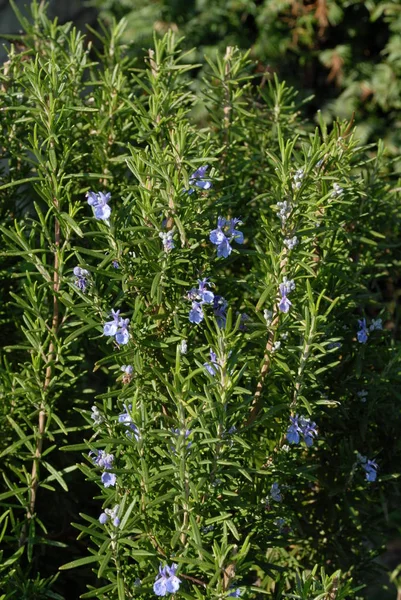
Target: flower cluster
<point x="110" y="514"/>
<point x="286" y="287"/>
<point x="199" y="297"/>
<point x="298" y="177"/>
<point x="177" y="432"/>
<point x="291" y="242"/>
<point x="99" y="203"/>
<point x="369" y="466"/>
<point x="301" y="426"/>
<point x="81" y="280"/>
<point x="224" y="234"/>
<point x="104" y="461"/>
<point x="197" y="179"/>
<point x="363" y="332"/>
<point x="117" y="328"/>
<point x="167" y="240"/>
<point x="284" y="210"/>
<point x="167" y="581"/>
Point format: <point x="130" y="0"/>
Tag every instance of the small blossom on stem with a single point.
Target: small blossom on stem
<point x="99" y="203"/>
<point x="127" y="419"/>
<point x="108" y="479"/>
<point x="166" y="581"/>
<point x="183" y="347"/>
<point x="81" y="278"/>
<point x="363" y="332"/>
<point x="212" y="367"/>
<point x="167" y="240"/>
<point x="283" y="211"/>
<point x="96" y="416"/>
<point x="110" y="514"/>
<point x="370" y="467"/>
<point x="376" y="324"/>
<point x="291" y="242"/>
<point x="224" y="234"/>
<point x="337" y="191"/>
<point x="197" y="179"/>
<point x="275" y="492"/>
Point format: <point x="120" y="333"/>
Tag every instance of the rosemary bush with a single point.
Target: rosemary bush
<point x="199" y="370"/>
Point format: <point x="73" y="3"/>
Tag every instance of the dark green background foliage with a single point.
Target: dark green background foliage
<point x="79" y="115"/>
<point x="347" y="53"/>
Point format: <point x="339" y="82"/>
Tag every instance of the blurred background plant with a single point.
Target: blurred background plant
<point x="346" y="53"/>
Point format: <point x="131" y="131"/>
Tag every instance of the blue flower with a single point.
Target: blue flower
<point x="118" y="327"/>
<point x="293" y="431"/>
<point x="167" y="239"/>
<point x="224" y="234"/>
<point x="197" y="179"/>
<point x="122" y="335"/>
<point x="200" y="296"/>
<point x="81" y="278"/>
<point x="96" y="416"/>
<point x="103" y="518"/>
<point x="110" y="328"/>
<point x="102" y="459"/>
<point x="99" y="203"/>
<point x="196" y="313"/>
<point x="108" y="479"/>
<point x="301" y="426"/>
<point x="166" y="581"/>
<point x="285" y="288"/>
<point x="127" y="419"/>
<point x="115" y="264"/>
<point x="220" y="306"/>
<point x="376" y="324"/>
<point x="363" y="332"/>
<point x="275" y="492"/>
<point x="370" y="467"/>
<point x="308" y="429"/>
<point x="112" y="514"/>
<point x="213" y="365"/>
<point x="127" y="369"/>
<point x="235" y="593"/>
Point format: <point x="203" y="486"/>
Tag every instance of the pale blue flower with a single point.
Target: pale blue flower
<point x="293" y="430"/>
<point x="115" y="264"/>
<point x="291" y="242"/>
<point x="166" y="581"/>
<point x="81" y="278"/>
<point x="376" y="324"/>
<point x="127" y="419"/>
<point x="122" y="335"/>
<point x="283" y="210"/>
<point x="363" y="333"/>
<point x="284" y="304"/>
<point x="275" y="492"/>
<point x="102" y="459"/>
<point x="96" y="416"/>
<point x="196" y="313"/>
<point x="167" y="240"/>
<point x="99" y="203"/>
<point x="103" y="518"/>
<point x="110" y="328"/>
<point x="212" y="367"/>
<point x="127" y="369"/>
<point x="197" y="179"/>
<point x="370" y="467"/>
<point x="220" y="306"/>
<point x="110" y="514"/>
<point x="235" y="593"/>
<point x="337" y="190"/>
<point x="224" y="234"/>
<point x="108" y="479"/>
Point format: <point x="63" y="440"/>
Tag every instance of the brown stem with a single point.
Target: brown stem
<point x="48" y="373"/>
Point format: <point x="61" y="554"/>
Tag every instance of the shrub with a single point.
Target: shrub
<point x="197" y="372"/>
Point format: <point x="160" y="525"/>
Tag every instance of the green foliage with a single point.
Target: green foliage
<point x="345" y="52"/>
<point x="201" y="438"/>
